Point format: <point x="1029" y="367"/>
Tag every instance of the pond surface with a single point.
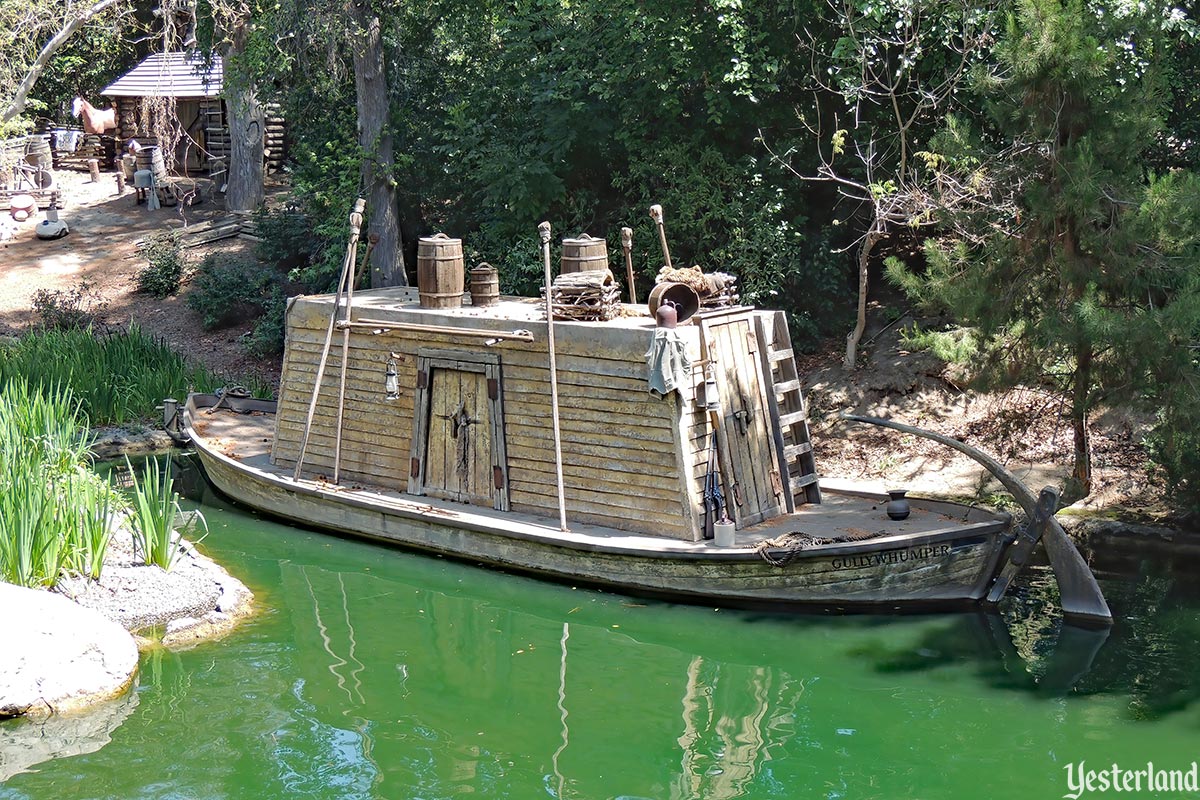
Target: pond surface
<point x="374" y="673"/>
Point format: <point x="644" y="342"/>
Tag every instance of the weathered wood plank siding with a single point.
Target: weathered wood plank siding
<point x="622" y="448"/>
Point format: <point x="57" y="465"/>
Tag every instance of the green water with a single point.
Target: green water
<point x="374" y="673"/>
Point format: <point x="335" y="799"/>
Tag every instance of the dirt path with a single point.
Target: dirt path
<point x="101" y="251"/>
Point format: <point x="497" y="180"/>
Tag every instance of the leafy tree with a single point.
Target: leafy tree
<point x="1077" y="265"/>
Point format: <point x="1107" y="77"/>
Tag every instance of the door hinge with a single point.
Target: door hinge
<point x="422" y="379"/>
<point x="415" y="468"/>
<point x="498" y="477"/>
<point x="493" y="389"/>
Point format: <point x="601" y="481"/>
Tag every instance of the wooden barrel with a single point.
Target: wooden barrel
<point x="485" y="285"/>
<point x="38" y="152"/>
<point x="439" y="271"/>
<point x="584" y="254"/>
<point x="151" y="158"/>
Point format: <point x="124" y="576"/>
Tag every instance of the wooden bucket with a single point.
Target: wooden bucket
<point x="485" y="285"/>
<point x="439" y="271"/>
<point x="584" y="254"/>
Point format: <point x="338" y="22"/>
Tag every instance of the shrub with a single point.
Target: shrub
<point x="285" y="236"/>
<point x="267" y="337"/>
<point x="69" y="309"/>
<point x="164" y="265"/>
<point x="224" y="294"/>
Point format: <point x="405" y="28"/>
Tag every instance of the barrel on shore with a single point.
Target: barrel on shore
<point x="440" y="271"/>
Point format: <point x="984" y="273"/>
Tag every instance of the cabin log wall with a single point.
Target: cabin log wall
<point x="622" y="448"/>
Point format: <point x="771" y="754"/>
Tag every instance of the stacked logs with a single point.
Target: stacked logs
<point x="92" y="146"/>
<point x="589" y="296"/>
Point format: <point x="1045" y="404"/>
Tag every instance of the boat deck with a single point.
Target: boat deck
<point x="842" y="517"/>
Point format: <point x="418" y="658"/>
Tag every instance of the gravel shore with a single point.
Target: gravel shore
<point x="196" y="599"/>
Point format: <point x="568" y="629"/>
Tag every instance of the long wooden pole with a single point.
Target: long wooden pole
<point x="656" y="214"/>
<point x="356" y="221"/>
<point x="627" y="246"/>
<point x="1079" y="593"/>
<point x="544" y="232"/>
<point x="312" y="402"/>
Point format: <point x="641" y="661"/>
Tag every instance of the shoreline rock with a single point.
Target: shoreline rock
<point x="59" y="656"/>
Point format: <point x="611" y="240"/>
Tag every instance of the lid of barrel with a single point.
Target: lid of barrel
<point x="438" y="239"/>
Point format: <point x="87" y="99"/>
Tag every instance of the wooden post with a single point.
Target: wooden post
<point x="656" y="214"/>
<point x="544" y="231"/>
<point x="312" y="403"/>
<point x="627" y="246"/>
<point x="356" y="221"/>
<point x="120" y="182"/>
<point x="94" y="169"/>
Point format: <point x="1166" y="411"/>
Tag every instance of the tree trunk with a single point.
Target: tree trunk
<point x="246" y="127"/>
<point x="864" y="258"/>
<point x="1080" y="485"/>
<point x="375" y="138"/>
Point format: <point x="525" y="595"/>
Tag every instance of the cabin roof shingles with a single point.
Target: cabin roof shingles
<point x="170" y="75"/>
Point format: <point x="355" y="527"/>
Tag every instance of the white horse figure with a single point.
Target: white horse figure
<point x="95" y="120"/>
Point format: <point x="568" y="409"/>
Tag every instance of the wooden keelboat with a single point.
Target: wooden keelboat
<point x="435" y="433"/>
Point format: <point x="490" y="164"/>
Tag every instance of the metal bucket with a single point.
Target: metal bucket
<point x="485" y="285"/>
<point x="584" y="254"/>
<point x="440" y="271"/>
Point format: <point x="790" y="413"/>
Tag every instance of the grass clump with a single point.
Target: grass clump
<point x="54" y="512"/>
<point x="154" y="514"/>
<point x="116" y="378"/>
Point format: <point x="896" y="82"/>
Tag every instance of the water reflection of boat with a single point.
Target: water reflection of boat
<point x="480" y="675"/>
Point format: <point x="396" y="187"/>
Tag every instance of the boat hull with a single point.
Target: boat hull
<point x="937" y="569"/>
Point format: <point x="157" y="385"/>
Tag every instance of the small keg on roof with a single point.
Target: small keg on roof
<point x="584" y="254"/>
<point x="440" y="274"/>
<point x="485" y="285"/>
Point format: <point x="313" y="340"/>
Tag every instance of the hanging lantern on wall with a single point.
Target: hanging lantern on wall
<point x="391" y="383"/>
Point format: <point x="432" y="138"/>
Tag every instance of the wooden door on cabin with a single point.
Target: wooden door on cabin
<point x="756" y="492"/>
<point x="458" y="448"/>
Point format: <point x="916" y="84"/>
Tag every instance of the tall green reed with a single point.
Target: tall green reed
<point x="155" y="515"/>
<point x="46" y="490"/>
<point x="117" y="378"/>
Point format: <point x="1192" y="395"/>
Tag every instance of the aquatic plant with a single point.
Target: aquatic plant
<point x="53" y="510"/>
<point x="155" y="512"/>
<point x="116" y="378"/>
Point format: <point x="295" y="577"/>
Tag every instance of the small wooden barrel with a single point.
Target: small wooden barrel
<point x="584" y="254"/>
<point x="440" y="271"/>
<point x="485" y="285"/>
<point x="38" y="152"/>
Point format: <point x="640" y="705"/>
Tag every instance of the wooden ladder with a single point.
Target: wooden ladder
<point x="789" y="415"/>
